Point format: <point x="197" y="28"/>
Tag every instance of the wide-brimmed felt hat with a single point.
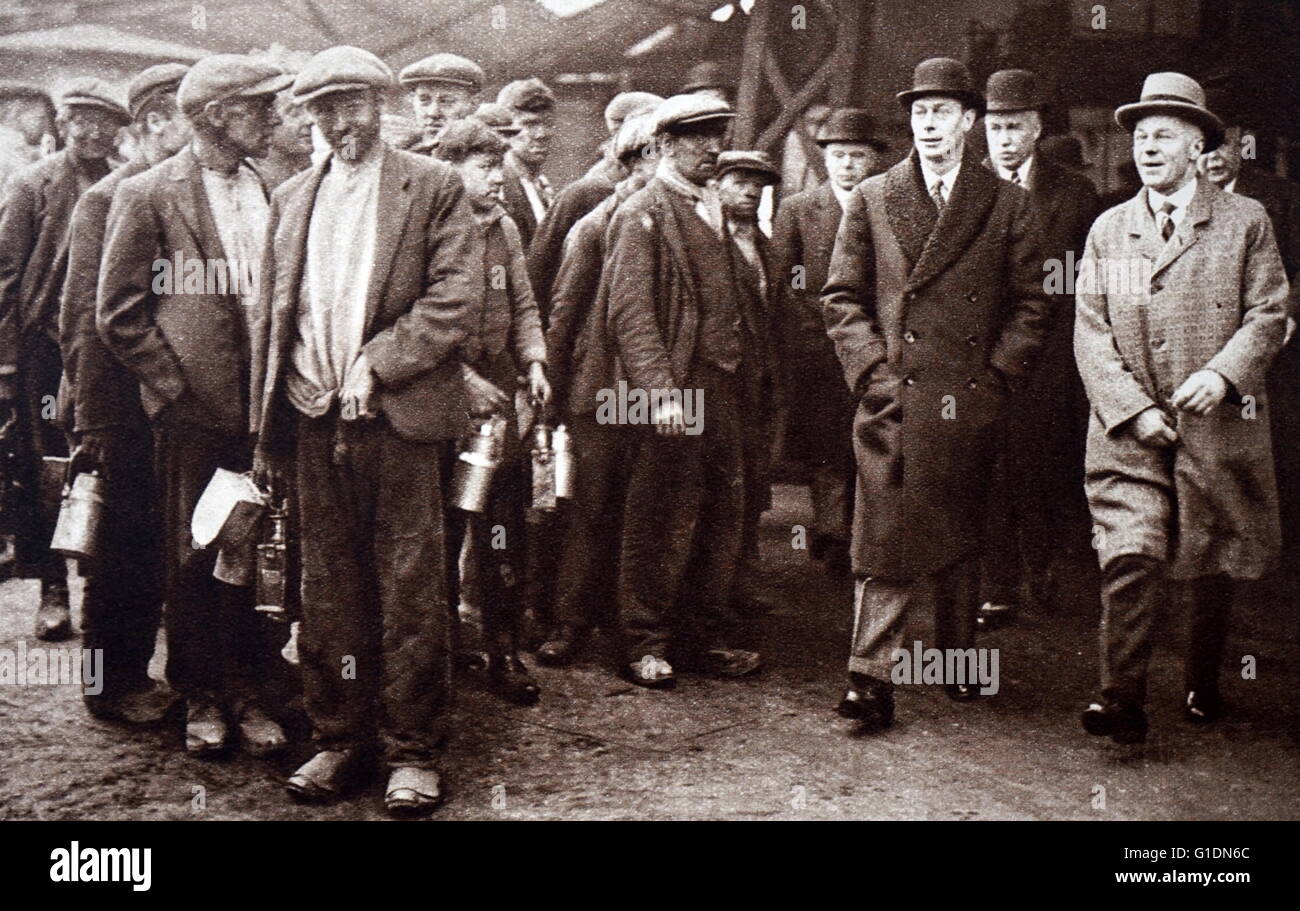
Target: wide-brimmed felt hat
<point x="848" y="125"/>
<point x="1175" y="95"/>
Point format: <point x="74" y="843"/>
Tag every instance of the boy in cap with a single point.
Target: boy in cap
<point x="818" y="407"/>
<point x="526" y="192"/>
<point x="504" y="343"/>
<point x="121" y="604"/>
<point x="373" y="267"/>
<point x="33" y="262"/>
<point x="1179" y="467"/>
<point x="200" y="212"/>
<point x="443" y="89"/>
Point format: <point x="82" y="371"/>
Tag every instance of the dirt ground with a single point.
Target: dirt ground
<point x="768" y="747"/>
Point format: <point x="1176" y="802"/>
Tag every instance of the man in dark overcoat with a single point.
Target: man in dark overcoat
<point x="936" y="307"/>
<point x="818" y="407"/>
<point x="1036" y="507"/>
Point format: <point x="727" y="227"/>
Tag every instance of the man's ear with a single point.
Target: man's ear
<point x="968" y="117"/>
<point x="214" y="114"/>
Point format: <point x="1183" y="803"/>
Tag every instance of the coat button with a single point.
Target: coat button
<point x="1156" y="286"/>
<point x="971" y="383"/>
<point x="909" y="381"/>
<point x="972" y="341"/>
<point x="909" y="336"/>
<point x="909" y="296"/>
<point x="972" y="297"/>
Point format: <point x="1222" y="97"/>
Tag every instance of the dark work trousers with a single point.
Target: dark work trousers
<point x="374" y="641"/>
<point x="586" y="583"/>
<point x="498" y="552"/>
<point x="218" y="647"/>
<point x="682" y="526"/>
<point x="40" y="370"/>
<point x="122" y="601"/>
<point x="1133" y="590"/>
<point x="882" y="609"/>
<point x="757" y="432"/>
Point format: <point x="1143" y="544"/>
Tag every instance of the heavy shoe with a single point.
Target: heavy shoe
<point x="560" y="647"/>
<point x="868" y="701"/>
<point x="205" y="728"/>
<point x="147" y="705"/>
<point x="259" y="734"/>
<point x="993" y="616"/>
<point x="324" y="777"/>
<point x="53" y="619"/>
<point x="509" y="678"/>
<point x="651" y="672"/>
<point x="1203" y="706"/>
<point x="412" y="792"/>
<point x="728" y="662"/>
<point x="1121" y="723"/>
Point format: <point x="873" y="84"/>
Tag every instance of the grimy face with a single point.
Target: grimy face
<point x="939" y="127"/>
<point x="695" y="154"/>
<point x="349" y="121"/>
<point x="740" y="193"/>
<point x="91" y="131"/>
<point x="1165" y="150"/>
<point x="483" y="177"/>
<point x="1011" y="136"/>
<point x="293" y="135"/>
<point x="437" y="104"/>
<point x="849" y="163"/>
<point x="249" y="123"/>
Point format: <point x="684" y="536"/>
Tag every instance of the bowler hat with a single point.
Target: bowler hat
<point x="848" y="125"/>
<point x="705" y="75"/>
<point x="154" y="81"/>
<point x="1013" y="90"/>
<point x="1177" y="96"/>
<point x="758" y="162"/>
<point x="449" y="68"/>
<point x="942" y="76"/>
<point x="681" y="113"/>
<point x="90" y="92"/>
<point x="224" y="76"/>
<point x="341" y="69"/>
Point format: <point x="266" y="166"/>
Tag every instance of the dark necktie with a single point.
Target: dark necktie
<point x="1167" y="220"/>
<point x="936" y="193"/>
<point x="1015" y="178"/>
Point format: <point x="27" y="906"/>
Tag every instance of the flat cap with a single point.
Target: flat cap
<point x="498" y="117"/>
<point x="87" y="91"/>
<point x="165" y="77"/>
<point x="450" y="68"/>
<point x="635" y="133"/>
<point x="625" y="104"/>
<point x="683" y="111"/>
<point x="223" y="76"/>
<point x="341" y="69"/>
<point x="758" y="162"/>
<point x="531" y="95"/>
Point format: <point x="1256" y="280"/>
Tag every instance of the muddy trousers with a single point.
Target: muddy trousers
<point x="1133" y="589"/>
<point x="882" y="609"/>
<point x="374" y="641"/>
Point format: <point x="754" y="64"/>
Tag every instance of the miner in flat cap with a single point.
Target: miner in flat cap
<point x="527" y="192"/>
<point x="443" y="88"/>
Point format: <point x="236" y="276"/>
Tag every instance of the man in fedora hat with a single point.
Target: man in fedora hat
<point x="685" y="322"/>
<point x="33" y="262"/>
<point x="1036" y="507"/>
<point x="373" y="265"/>
<point x="443" y="88"/>
<point x="121" y="603"/>
<point x="818" y="408"/>
<point x="182" y="256"/>
<point x="1181" y="309"/>
<point x="935" y="305"/>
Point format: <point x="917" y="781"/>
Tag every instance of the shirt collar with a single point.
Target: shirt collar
<point x="366" y="165"/>
<point x="842" y="196"/>
<point x="1230" y="186"/>
<point x="1022" y="172"/>
<point x="1180" y="199"/>
<point x="930" y="177"/>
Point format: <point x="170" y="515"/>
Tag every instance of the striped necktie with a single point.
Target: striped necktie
<point x="1167" y="220"/>
<point x="936" y="193"/>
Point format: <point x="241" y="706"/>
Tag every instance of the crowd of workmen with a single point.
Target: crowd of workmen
<point x="939" y="344"/>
